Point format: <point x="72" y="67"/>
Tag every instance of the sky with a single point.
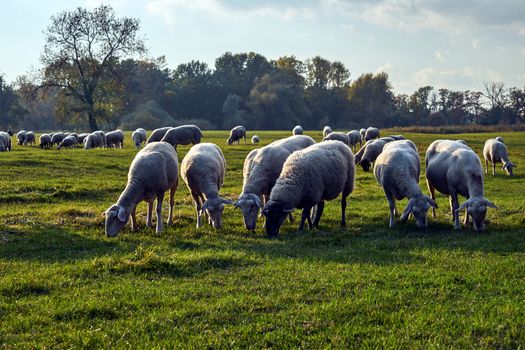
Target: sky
<point x="453" y="44"/>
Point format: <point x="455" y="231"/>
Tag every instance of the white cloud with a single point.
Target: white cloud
<point x="387" y="68"/>
<point x="522" y="50"/>
<point x="476" y="43"/>
<point x="439" y="55"/>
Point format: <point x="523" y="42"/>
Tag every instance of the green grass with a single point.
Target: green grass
<point x="63" y="284"/>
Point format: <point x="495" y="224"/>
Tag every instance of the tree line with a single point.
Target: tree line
<point x="94" y="75"/>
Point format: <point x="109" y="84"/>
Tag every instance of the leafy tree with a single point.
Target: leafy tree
<point x="11" y="110"/>
<point x="419" y="104"/>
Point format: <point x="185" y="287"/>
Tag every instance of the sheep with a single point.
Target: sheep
<point x="297" y="130"/>
<point x="139" y="136"/>
<point x="10" y="131"/>
<point x="309" y="177"/>
<point x="56" y="138"/>
<point x="153" y="172"/>
<point x="369" y="153"/>
<point x="397" y="171"/>
<point x="5" y="142"/>
<point x="454" y="168"/>
<point x="337" y="136"/>
<point x="158" y="134"/>
<point x="371" y="133"/>
<point x="236" y="134"/>
<point x="326" y="130"/>
<point x="21" y="136"/>
<point x="396" y="137"/>
<point x="255" y="139"/>
<point x="261" y="169"/>
<point x="495" y="151"/>
<point x="203" y="169"/>
<point x="362" y="132"/>
<point x="45" y="141"/>
<point x="354" y="138"/>
<point x="102" y="135"/>
<point x="93" y="140"/>
<point x="75" y="135"/>
<point x="183" y="135"/>
<point x="29" y="138"/>
<point x="68" y="141"/>
<point x="115" y="139"/>
<point x="387" y="139"/>
<point x="500" y="139"/>
<point x="82" y="137"/>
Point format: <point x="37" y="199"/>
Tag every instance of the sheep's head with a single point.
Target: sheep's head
<point x="275" y="213"/>
<point x="508" y="166"/>
<point x="250" y="204"/>
<point x="418" y="207"/>
<point x="116" y="219"/>
<point x="477" y="209"/>
<point x="214" y="208"/>
<point x="230" y="140"/>
<point x="365" y="164"/>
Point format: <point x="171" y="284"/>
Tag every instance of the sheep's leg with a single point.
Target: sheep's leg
<point x="392" y="207"/>
<point x="309" y="218"/>
<point x="343" y="209"/>
<point x="198" y="207"/>
<point x="319" y="212"/>
<point x="455" y="205"/>
<point x="134" y="219"/>
<point x="305" y="216"/>
<point x="432" y="192"/>
<point x="486" y="166"/>
<point x="466" y="221"/>
<point x="149" y="214"/>
<point x="160" y="198"/>
<point x="493" y="168"/>
<point x="172" y="204"/>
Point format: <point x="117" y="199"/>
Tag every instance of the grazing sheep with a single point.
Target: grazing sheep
<point x="256" y="139"/>
<point x="158" y="134"/>
<point x="183" y="135"/>
<point x="455" y="169"/>
<point x="5" y="142"/>
<point x="203" y="170"/>
<point x="326" y="131"/>
<point x="45" y="141"/>
<point x="57" y="137"/>
<point x="372" y="133"/>
<point x="261" y="169"/>
<point x="93" y="140"/>
<point x="139" y="136"/>
<point x="369" y="153"/>
<point x="500" y="139"/>
<point x="75" y="135"/>
<point x="68" y="142"/>
<point x="10" y="131"/>
<point x="309" y="177"/>
<point x="337" y="136"/>
<point x="396" y="137"/>
<point x="354" y="138"/>
<point x="153" y="171"/>
<point x="29" y="138"/>
<point x="297" y="130"/>
<point x="82" y="137"/>
<point x="236" y="134"/>
<point x="397" y="170"/>
<point x="386" y="139"/>
<point x="495" y="151"/>
<point x="21" y="136"/>
<point x="102" y="136"/>
<point x="115" y="139"/>
<point x="362" y="132"/>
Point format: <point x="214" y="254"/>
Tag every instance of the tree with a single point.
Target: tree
<point x="11" y="110"/>
<point x="419" y="104"/>
<point x="81" y="50"/>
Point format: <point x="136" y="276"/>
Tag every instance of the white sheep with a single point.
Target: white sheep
<point x="57" y="137"/>
<point x="153" y="172"/>
<point x="45" y="141"/>
<point x="372" y="133"/>
<point x="158" y="134"/>
<point x="5" y="142"/>
<point x="261" y="169"/>
<point x="309" y="177"/>
<point x="337" y="136"/>
<point x="29" y="138"/>
<point x="369" y="153"/>
<point x="82" y="137"/>
<point x="68" y="142"/>
<point x="362" y="132"/>
<point x="354" y="138"/>
<point x="397" y="137"/>
<point x="397" y="171"/>
<point x="139" y="136"/>
<point x="183" y="135"/>
<point x="236" y="134"/>
<point x="297" y="130"/>
<point x="495" y="151"/>
<point x="203" y="169"/>
<point x="102" y="136"/>
<point x="256" y="139"/>
<point x="21" y="136"/>
<point x="326" y="130"/>
<point x="93" y="140"/>
<point x="455" y="169"/>
<point x="115" y="139"/>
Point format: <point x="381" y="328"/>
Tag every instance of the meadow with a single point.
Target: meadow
<point x="63" y="284"/>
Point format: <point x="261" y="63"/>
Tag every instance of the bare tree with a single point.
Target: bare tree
<point x="81" y="47"/>
<point x="495" y="92"/>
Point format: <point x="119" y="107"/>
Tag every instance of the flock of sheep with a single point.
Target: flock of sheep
<point x="298" y="173"/>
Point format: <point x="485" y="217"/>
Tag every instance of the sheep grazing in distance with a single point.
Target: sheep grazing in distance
<point x="5" y="142"/>
<point x="500" y="139"/>
<point x="495" y="151"/>
<point x="158" y="134"/>
<point x="309" y="177"/>
<point x="139" y="136"/>
<point x="81" y="138"/>
<point x="115" y="139"/>
<point x="93" y="140"/>
<point x="397" y="170"/>
<point x="372" y="133"/>
<point x="362" y="132"/>
<point x="21" y="136"/>
<point x="327" y="130"/>
<point x="396" y="137"/>
<point x="153" y="172"/>
<point x="354" y="138"/>
<point x="261" y="169"/>
<point x="102" y="136"/>
<point x="183" y="135"/>
<point x="236" y="134"/>
<point x="10" y="131"/>
<point x="337" y="136"/>
<point x="29" y="138"/>
<point x="203" y="169"/>
<point x="297" y="130"/>
<point x="67" y="142"/>
<point x="256" y="139"/>
<point x="369" y="153"/>
<point x="455" y="169"/>
<point x="57" y="137"/>
<point x="45" y="141"/>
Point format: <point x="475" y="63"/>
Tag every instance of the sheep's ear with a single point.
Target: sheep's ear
<point x="121" y="214"/>
<point x="464" y="205"/>
<point x="490" y="204"/>
<point x="407" y="211"/>
<point x="432" y="203"/>
<point x="258" y="202"/>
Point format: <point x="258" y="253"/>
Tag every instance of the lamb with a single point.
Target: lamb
<point x="68" y="142"/>
<point x="495" y="151"/>
<point x="153" y="171"/>
<point x="57" y="137"/>
<point x="309" y="177"/>
<point x="203" y="169"/>
<point x="29" y="138"/>
<point x="454" y="168"/>
<point x="261" y="169"/>
<point x="115" y="139"/>
<point x="297" y="130"/>
<point x="5" y="142"/>
<point x="397" y="170"/>
<point x="337" y="136"/>
<point x="21" y="136"/>
<point x="183" y="135"/>
<point x="93" y="140"/>
<point x="326" y="130"/>
<point x="236" y="134"/>
<point x="82" y="137"/>
<point x="354" y="138"/>
<point x="45" y="141"/>
<point x="369" y="153"/>
<point x="102" y="135"/>
<point x="158" y="134"/>
<point x="255" y="139"/>
<point x="371" y="133"/>
<point x="139" y="136"/>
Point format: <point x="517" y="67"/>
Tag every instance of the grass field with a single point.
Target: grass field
<point x="63" y="284"/>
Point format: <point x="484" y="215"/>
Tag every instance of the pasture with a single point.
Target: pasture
<point x="63" y="284"/>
